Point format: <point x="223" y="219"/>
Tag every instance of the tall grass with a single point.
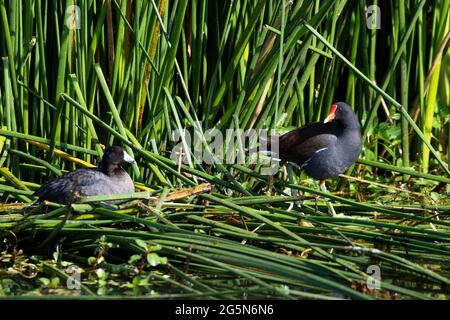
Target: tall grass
<point x="131" y="73"/>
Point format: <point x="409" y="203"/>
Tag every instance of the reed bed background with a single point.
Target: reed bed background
<point x="76" y="79"/>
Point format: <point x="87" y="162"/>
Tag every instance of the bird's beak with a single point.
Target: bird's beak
<point x="332" y="114"/>
<point x="128" y="158"/>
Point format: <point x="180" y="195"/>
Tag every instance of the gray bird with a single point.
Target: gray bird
<point x="109" y="178"/>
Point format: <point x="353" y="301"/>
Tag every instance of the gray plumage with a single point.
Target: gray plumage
<point x="110" y="178"/>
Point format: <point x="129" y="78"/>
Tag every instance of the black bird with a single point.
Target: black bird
<point x="324" y="149"/>
<point x="110" y="178"/>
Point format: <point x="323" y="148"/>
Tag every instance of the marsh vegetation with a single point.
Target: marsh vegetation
<point x="77" y="76"/>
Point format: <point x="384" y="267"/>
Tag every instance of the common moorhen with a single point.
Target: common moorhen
<point x="110" y="178"/>
<point x="324" y="149"/>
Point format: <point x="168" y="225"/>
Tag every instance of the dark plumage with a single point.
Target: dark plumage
<point x="110" y="178"/>
<point x="324" y="149"/>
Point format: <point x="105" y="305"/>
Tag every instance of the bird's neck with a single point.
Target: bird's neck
<point x="351" y="125"/>
<point x="111" y="169"/>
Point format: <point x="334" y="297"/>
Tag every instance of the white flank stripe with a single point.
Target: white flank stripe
<point x="321" y="149"/>
<point x="307" y="161"/>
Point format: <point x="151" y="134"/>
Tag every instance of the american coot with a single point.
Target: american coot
<point x="110" y="178"/>
<point x="324" y="149"/>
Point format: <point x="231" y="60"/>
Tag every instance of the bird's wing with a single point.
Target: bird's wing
<point x="300" y="144"/>
<point x="69" y="186"/>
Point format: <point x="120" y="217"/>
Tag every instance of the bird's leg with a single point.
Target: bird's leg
<point x="323" y="188"/>
<point x="291" y="180"/>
